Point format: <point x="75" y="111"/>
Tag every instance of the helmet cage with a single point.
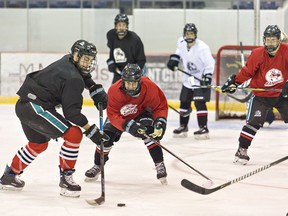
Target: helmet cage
<point x="190" y="27"/>
<point x="132" y="73"/>
<point x="271" y="31"/>
<point x="82" y="48"/>
<point x="121" y="18"/>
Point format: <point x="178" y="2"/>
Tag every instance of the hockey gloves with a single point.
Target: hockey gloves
<point x="285" y="90"/>
<point x="98" y="94"/>
<point x="134" y="128"/>
<point x="206" y="80"/>
<point x="230" y="85"/>
<point x="96" y="136"/>
<point x="159" y="128"/>
<point x="173" y="62"/>
<point x="112" y="67"/>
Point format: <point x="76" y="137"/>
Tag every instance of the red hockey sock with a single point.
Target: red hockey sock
<point x="26" y="155"/>
<point x="70" y="148"/>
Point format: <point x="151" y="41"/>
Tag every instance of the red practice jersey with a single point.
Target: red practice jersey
<point x="122" y="107"/>
<point x="266" y="72"/>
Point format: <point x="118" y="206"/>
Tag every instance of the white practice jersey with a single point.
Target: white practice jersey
<point x="197" y="61"/>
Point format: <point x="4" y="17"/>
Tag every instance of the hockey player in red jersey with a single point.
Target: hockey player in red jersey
<point x="60" y="83"/>
<point x="138" y="106"/>
<point x="267" y="67"/>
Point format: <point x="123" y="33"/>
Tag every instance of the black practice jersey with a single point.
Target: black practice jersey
<point x="129" y="49"/>
<point x="60" y="83"/>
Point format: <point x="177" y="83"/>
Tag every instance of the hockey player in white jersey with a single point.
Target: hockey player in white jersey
<point x="198" y="61"/>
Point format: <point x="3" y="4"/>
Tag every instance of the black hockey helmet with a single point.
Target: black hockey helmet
<point x="132" y="73"/>
<point x="190" y="27"/>
<point x="83" y="47"/>
<point x="121" y="18"/>
<point x="271" y="31"/>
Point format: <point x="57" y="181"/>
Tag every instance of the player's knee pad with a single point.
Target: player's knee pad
<point x="185" y="105"/>
<point x="73" y="135"/>
<point x="200" y="105"/>
<point x="37" y="147"/>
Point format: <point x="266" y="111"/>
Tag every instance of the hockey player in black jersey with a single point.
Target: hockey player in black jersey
<point x="125" y="47"/>
<point x="60" y="83"/>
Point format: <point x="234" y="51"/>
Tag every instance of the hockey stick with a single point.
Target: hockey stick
<point x="204" y="191"/>
<point x="218" y="89"/>
<point x="184" y="115"/>
<point x="210" y="183"/>
<point x="101" y="199"/>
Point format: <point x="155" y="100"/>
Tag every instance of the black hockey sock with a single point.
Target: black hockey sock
<point x="247" y="135"/>
<point x="184" y="120"/>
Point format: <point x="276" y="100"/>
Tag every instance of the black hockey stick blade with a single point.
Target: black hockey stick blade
<point x="201" y="190"/>
<point x="204" y="191"/>
<point x="94" y="202"/>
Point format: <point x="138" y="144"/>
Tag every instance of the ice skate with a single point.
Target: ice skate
<point x="69" y="188"/>
<point x="202" y="134"/>
<point x="181" y="132"/>
<point x="10" y="181"/>
<point x="241" y="156"/>
<point x="93" y="173"/>
<point x="161" y="172"/>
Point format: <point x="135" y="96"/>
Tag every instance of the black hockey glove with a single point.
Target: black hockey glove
<point x="159" y="128"/>
<point x="112" y="67"/>
<point x="134" y="128"/>
<point x="285" y="90"/>
<point x="206" y="80"/>
<point x="96" y="136"/>
<point x="230" y="85"/>
<point x="98" y="94"/>
<point x="173" y="62"/>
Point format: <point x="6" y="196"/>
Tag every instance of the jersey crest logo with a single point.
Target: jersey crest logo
<point x="192" y="67"/>
<point x="273" y="77"/>
<point x="128" y="109"/>
<point x="119" y="55"/>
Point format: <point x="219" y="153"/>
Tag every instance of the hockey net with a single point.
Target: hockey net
<point x="228" y="62"/>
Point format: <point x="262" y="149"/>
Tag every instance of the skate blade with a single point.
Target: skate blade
<point x="181" y="135"/>
<point x="66" y="193"/>
<point x="88" y="179"/>
<point x="163" y="181"/>
<point x="240" y="161"/>
<point x="10" y="188"/>
<point x="201" y="137"/>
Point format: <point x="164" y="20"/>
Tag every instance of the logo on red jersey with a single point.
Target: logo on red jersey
<point x="128" y="109"/>
<point x="273" y="77"/>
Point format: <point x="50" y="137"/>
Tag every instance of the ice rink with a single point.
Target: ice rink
<point x="131" y="177"/>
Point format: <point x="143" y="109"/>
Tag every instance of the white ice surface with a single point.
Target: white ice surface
<point x="131" y="177"/>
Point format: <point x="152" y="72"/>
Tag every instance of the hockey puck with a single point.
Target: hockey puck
<point x="121" y="204"/>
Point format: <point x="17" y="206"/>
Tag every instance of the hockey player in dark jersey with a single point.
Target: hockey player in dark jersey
<point x="60" y="83"/>
<point x="125" y="47"/>
<point x="267" y="66"/>
<point x="135" y="105"/>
